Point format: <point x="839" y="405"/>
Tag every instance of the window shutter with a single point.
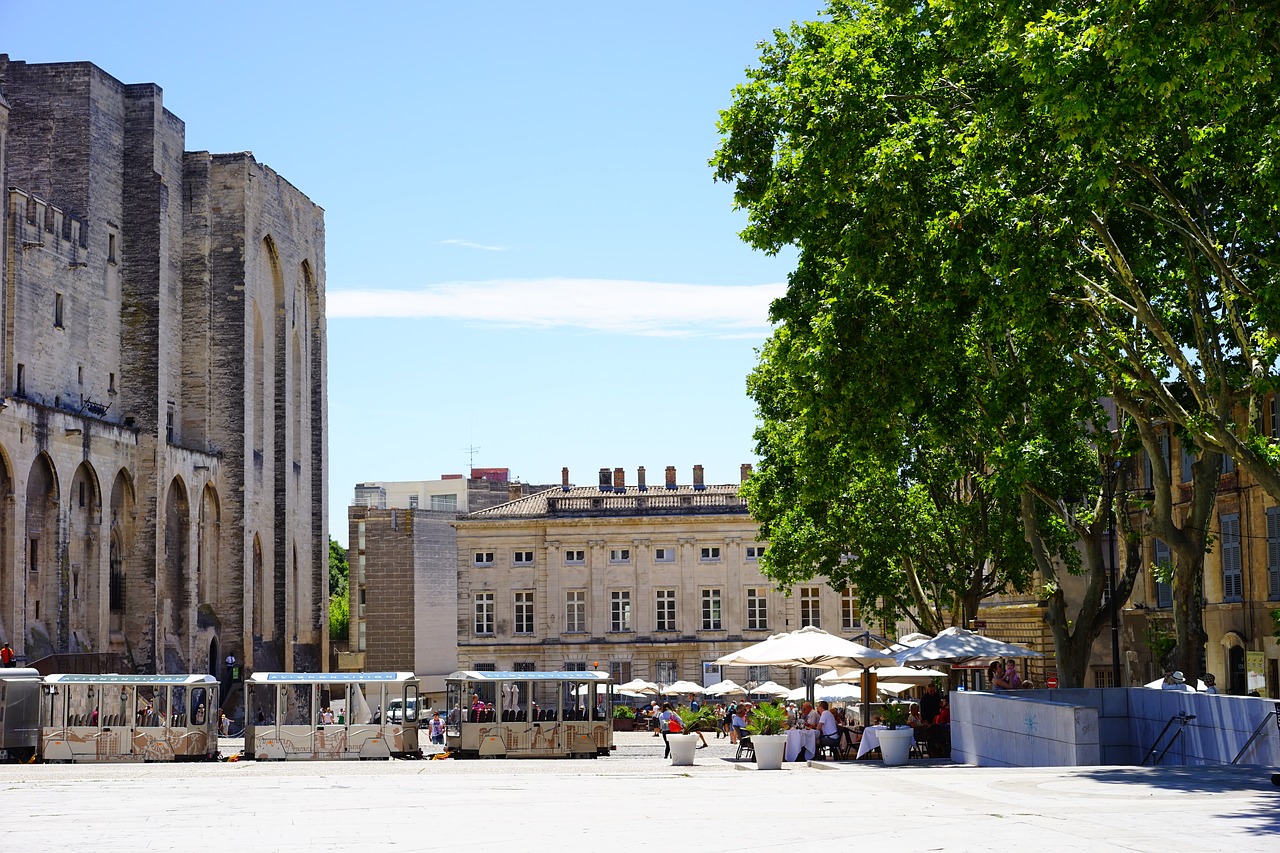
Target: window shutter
<point x="1273" y="552"/>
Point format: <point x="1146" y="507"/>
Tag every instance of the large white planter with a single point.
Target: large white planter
<point x="895" y="744"/>
<point x="769" y="751"/>
<point x="682" y="747"/>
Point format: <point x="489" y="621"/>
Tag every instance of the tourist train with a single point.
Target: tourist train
<point x="300" y="716"/>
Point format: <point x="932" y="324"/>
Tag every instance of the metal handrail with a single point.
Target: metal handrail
<point x="1256" y="734"/>
<point x="1181" y="720"/>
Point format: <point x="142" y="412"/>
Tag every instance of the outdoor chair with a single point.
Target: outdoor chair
<point x="920" y="742"/>
<point x="745" y="746"/>
<point x="831" y="744"/>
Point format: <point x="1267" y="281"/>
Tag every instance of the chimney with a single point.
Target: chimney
<point x="746" y="472"/>
<point x="697" y="478"/>
<point x="640" y="479"/>
<point x="514" y="492"/>
<point x="671" y="476"/>
<point x="564" y="479"/>
<point x="604" y="480"/>
<point x="619" y="480"/>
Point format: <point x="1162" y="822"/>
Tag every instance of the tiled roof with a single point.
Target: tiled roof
<point x="631" y="500"/>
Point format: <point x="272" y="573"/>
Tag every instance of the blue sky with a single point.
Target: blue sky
<point x="526" y="252"/>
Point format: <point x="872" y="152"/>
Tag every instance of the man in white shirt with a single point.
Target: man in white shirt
<point x="828" y="728"/>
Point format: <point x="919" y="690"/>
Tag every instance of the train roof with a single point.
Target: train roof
<point x="330" y="677"/>
<point x="80" y="678"/>
<point x="486" y="675"/>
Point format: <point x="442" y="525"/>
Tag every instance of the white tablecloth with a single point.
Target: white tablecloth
<point x="870" y="739"/>
<point x="797" y="739"/>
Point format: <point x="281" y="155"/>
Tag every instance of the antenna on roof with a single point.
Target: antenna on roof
<point x="471" y="450"/>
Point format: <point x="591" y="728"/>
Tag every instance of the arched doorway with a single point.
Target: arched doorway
<point x="1237" y="675"/>
<point x="175" y="595"/>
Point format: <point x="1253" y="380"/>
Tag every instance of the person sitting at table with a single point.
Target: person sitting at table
<point x="940" y="731"/>
<point x="913" y="717"/>
<point x="828" y="728"/>
<point x="738" y="721"/>
<point x="808" y="716"/>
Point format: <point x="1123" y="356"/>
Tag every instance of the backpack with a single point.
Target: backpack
<point x="673" y="724"/>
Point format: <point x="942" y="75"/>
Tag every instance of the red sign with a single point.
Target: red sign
<point x="1052" y="681"/>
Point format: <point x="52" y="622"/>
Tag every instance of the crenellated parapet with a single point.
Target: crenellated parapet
<point x="39" y="225"/>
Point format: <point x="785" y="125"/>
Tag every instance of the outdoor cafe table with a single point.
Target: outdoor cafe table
<point x="870" y="739"/>
<point x="800" y="739"/>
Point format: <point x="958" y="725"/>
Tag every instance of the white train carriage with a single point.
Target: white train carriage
<point x="529" y="714"/>
<point x="87" y="718"/>
<point x="299" y="716"/>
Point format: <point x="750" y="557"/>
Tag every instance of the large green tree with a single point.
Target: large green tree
<point x="1080" y="194"/>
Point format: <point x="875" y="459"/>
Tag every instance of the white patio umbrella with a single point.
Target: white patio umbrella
<point x="956" y="645"/>
<point x="894" y="688"/>
<point x="808" y="646"/>
<point x="1158" y="684"/>
<point x="639" y="685"/>
<point x="883" y="673"/>
<point x="769" y="688"/>
<point x="683" y="687"/>
<point x="797" y="694"/>
<point x="725" y="688"/>
<point x="838" y="692"/>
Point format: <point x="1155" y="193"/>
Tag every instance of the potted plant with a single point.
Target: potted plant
<point x="685" y="741"/>
<point x="767" y="725"/>
<point x="624" y="718"/>
<point x="895" y="741"/>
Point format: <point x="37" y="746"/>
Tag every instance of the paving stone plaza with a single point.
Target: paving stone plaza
<point x="635" y="801"/>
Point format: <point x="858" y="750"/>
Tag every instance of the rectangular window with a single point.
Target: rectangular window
<point x="57" y="310"/>
<point x="620" y="610"/>
<point x="111" y="248"/>
<point x="1228" y="464"/>
<point x="524" y="612"/>
<point x="755" y="552"/>
<point x="168" y="424"/>
<point x="664" y="555"/>
<point x="1273" y="409"/>
<point x="620" y="671"/>
<point x="757" y="674"/>
<point x="575" y="666"/>
<point x="1149" y="480"/>
<point x="1232" y="568"/>
<point x="526" y="666"/>
<point x="809" y="611"/>
<point x="666" y="671"/>
<point x="850" y="618"/>
<point x="711" y="554"/>
<point x="1165" y="454"/>
<point x="484" y="613"/>
<point x="711" y="620"/>
<point x="1273" y="552"/>
<point x="619" y="555"/>
<point x="575" y="611"/>
<point x="665" y="610"/>
<point x="1188" y="459"/>
<point x="1164" y="589"/>
<point x="575" y="558"/>
<point x="111" y="383"/>
<point x="413" y="501"/>
<point x="1104" y="677"/>
<point x="22" y="380"/>
<point x="444" y="503"/>
<point x="522" y="558"/>
<point x="483" y="558"/>
<point x="757" y="609"/>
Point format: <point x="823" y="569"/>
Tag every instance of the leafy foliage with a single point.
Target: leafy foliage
<point x="767" y="718"/>
<point x="701" y="720"/>
<point x="339" y="599"/>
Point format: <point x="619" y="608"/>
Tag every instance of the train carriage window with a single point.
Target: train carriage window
<point x="199" y="707"/>
<point x="297" y="704"/>
<point x="179" y="706"/>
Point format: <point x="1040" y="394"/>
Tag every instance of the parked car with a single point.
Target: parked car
<point x="396" y="712"/>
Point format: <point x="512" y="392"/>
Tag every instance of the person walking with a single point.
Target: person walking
<point x="7" y="658"/>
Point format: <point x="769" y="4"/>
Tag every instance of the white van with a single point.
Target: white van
<point x="396" y="711"/>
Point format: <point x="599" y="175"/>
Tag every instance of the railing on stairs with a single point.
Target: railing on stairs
<point x="1181" y="721"/>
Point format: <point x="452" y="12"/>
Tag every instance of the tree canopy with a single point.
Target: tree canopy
<point x="1004" y="213"/>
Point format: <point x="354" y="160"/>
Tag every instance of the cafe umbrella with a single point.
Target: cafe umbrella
<point x="808" y="647"/>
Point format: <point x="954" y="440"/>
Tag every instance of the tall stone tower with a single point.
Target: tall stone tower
<point x="163" y="432"/>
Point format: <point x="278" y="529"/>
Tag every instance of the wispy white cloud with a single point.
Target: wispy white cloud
<point x="620" y="307"/>
<point x="467" y="244"/>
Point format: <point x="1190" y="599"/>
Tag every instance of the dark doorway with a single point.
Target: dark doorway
<point x="1237" y="680"/>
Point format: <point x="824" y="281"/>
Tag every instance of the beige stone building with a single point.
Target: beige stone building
<point x="645" y="581"/>
<point x="162" y="423"/>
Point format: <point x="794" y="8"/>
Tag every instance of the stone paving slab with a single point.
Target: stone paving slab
<point x="635" y="801"/>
